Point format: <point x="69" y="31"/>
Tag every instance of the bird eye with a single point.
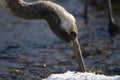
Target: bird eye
<point x="73" y="35"/>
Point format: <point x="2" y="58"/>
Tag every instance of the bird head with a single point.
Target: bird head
<point x="69" y="27"/>
<point x="68" y="24"/>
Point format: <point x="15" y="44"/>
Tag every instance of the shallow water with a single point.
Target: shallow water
<point x="29" y="50"/>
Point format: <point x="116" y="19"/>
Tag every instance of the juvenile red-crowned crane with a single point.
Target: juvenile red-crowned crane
<point x="61" y="22"/>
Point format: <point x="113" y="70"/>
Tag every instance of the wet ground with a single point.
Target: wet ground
<point x="30" y="51"/>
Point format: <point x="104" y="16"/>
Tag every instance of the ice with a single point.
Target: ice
<point x="70" y="75"/>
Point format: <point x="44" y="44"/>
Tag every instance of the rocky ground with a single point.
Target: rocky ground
<point x="30" y="51"/>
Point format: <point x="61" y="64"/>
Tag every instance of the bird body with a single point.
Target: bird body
<point x="61" y="22"/>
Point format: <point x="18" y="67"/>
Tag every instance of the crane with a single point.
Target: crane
<point x="61" y="22"/>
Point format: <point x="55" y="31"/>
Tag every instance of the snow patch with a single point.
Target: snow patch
<point x="81" y="76"/>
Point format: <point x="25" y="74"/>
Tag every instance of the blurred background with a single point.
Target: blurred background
<point x="29" y="49"/>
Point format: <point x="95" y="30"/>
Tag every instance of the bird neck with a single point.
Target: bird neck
<point x="51" y="12"/>
<point x="35" y="10"/>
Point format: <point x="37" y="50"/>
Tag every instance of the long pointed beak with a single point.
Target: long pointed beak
<point x="75" y="47"/>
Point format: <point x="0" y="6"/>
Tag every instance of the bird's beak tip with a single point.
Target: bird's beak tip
<point x="75" y="47"/>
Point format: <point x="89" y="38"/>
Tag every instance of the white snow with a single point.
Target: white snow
<point x="81" y="76"/>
